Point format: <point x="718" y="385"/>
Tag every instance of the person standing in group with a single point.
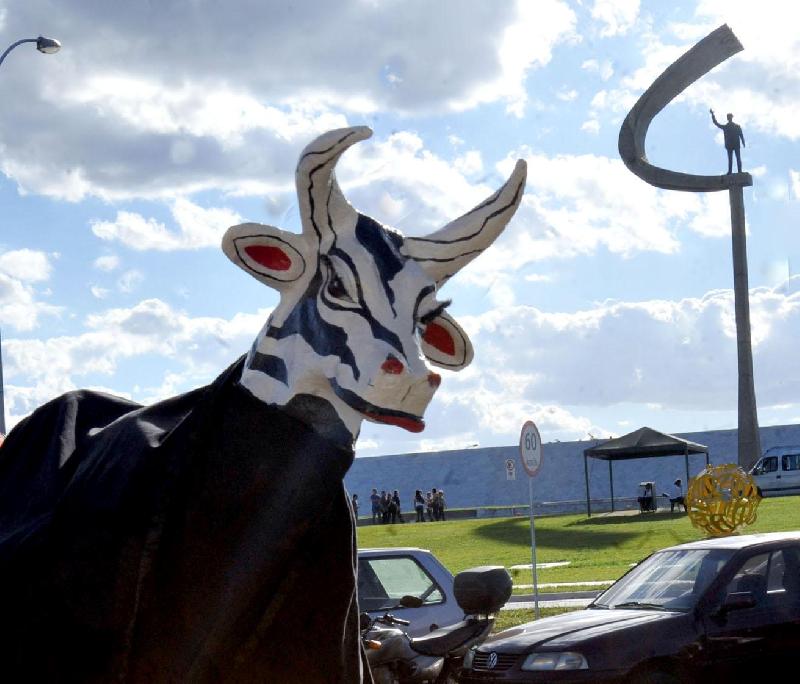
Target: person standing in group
<point x="440" y="505"/>
<point x="396" y="500"/>
<point x="429" y="505"/>
<point x="375" y="500"/>
<point x="419" y="506"/>
<point x="386" y="500"/>
<point x="391" y="509"/>
<point x="382" y="507"/>
<point x="355" y="506"/>
<point x="435" y="500"/>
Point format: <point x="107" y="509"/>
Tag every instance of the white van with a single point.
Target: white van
<point x="778" y="471"/>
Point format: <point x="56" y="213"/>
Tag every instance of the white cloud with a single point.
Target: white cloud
<point x="683" y="353"/>
<point x="567" y="95"/>
<point x="525" y="43"/>
<point x="432" y="189"/>
<point x="391" y="207"/>
<point x="107" y="263"/>
<point x="235" y="117"/>
<point x="714" y="220"/>
<point x="462" y="440"/>
<point x="575" y="203"/>
<point x="537" y="278"/>
<point x="19" y="307"/>
<point x="794" y="176"/>
<point x="26" y="264"/>
<point x="197" y="228"/>
<point x="130" y="280"/>
<point x="616" y="16"/>
<point x="760" y="84"/>
<point x="591" y="126"/>
<point x="99" y="292"/>
<point x="605" y="69"/>
<point x="191" y="112"/>
<point x="470" y="163"/>
<point x="198" y="348"/>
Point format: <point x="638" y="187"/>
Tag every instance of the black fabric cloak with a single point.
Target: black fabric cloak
<point x="205" y="538"/>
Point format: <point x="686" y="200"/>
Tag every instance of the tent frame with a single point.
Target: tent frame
<point x="642" y="443"/>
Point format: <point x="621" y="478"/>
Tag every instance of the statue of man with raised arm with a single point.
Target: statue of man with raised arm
<point x="733" y="134"/>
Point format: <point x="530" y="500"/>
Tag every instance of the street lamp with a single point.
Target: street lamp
<point x="46" y="45"/>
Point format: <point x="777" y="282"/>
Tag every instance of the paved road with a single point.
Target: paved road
<point x="562" y="599"/>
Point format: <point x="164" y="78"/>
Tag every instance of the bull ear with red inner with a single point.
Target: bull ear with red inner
<point x="445" y="344"/>
<point x="272" y="256"/>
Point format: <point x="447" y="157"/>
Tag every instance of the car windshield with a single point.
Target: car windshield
<point x="667" y="580"/>
<point x="382" y="582"/>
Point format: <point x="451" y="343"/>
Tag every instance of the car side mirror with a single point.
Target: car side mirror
<point x="737" y="600"/>
<point x="409" y="601"/>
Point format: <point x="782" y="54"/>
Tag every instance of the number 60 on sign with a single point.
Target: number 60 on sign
<point x="530" y="448"/>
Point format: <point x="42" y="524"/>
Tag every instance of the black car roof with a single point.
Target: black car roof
<point x="737" y="542"/>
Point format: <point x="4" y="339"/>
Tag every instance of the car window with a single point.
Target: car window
<point x="773" y="579"/>
<point x="752" y="577"/>
<point x="768" y="465"/>
<point x="382" y="582"/>
<point x="672" y="580"/>
<point x="775" y="571"/>
<point x="791" y="579"/>
<point x="783" y="574"/>
<point x="791" y="462"/>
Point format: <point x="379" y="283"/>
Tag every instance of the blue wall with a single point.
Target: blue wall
<point x="477" y="477"/>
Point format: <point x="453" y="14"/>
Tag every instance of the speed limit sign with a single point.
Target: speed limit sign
<point x="530" y="448"/>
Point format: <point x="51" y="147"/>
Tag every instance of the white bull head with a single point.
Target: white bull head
<point x="358" y="314"/>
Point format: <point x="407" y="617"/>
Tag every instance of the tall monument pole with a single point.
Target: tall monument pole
<point x="749" y="438"/>
<point x="714" y="49"/>
<point x="2" y="393"/>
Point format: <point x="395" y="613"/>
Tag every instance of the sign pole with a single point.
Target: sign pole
<point x="533" y="551"/>
<point x="530" y="451"/>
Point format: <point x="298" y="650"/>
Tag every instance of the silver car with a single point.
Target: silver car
<point x="386" y="575"/>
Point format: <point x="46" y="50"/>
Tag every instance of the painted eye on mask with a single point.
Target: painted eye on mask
<point x="336" y="288"/>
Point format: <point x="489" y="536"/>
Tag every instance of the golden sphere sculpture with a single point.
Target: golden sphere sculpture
<point x="722" y="500"/>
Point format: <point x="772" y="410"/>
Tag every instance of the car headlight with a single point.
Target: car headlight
<point x="567" y="660"/>
<point x="469" y="656"/>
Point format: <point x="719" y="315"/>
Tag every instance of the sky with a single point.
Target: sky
<point x="606" y="305"/>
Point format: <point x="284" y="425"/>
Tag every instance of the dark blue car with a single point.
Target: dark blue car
<point x="695" y="612"/>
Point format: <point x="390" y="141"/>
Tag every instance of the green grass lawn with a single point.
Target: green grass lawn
<point x="598" y="548"/>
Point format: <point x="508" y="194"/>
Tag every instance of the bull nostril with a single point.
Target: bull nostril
<point x="392" y="365"/>
<point x="434" y="380"/>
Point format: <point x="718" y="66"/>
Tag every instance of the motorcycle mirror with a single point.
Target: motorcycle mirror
<point x="363" y="621"/>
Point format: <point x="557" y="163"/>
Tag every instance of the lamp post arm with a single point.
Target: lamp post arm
<point x="13" y="45"/>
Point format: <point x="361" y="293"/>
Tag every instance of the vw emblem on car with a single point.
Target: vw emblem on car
<point x="491" y="663"/>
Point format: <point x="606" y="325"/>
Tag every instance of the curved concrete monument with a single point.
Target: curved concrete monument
<point x="714" y="49"/>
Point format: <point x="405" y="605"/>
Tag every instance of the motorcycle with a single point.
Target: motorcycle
<point x="396" y="658"/>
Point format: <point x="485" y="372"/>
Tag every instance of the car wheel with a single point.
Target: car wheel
<point x="655" y="677"/>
